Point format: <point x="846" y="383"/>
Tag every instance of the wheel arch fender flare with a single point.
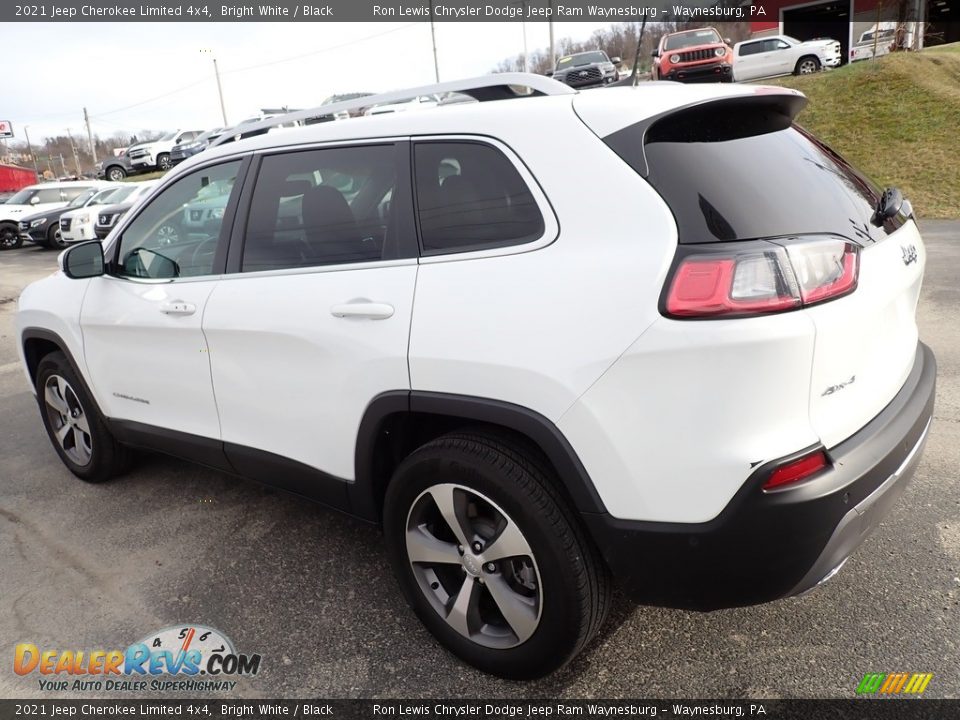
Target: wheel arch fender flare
<point x="366" y="491"/>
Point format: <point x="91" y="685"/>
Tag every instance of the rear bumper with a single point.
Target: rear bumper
<point x="768" y="545"/>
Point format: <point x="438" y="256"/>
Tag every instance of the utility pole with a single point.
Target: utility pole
<point x="93" y="148"/>
<point x="553" y="49"/>
<point x="30" y="149"/>
<point x="50" y="166"/>
<point x="433" y="38"/>
<point x="526" y="63"/>
<point x="63" y="165"/>
<point x="76" y="156"/>
<point x="216" y="72"/>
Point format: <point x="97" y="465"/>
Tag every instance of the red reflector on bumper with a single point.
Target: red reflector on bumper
<point x="797" y="470"/>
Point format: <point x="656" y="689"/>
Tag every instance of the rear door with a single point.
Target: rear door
<point x="313" y="320"/>
<point x="749" y="62"/>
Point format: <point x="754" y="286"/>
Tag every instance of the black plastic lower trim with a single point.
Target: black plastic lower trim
<point x="762" y="546"/>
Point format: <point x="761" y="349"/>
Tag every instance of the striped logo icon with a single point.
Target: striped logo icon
<point x="894" y="683"/>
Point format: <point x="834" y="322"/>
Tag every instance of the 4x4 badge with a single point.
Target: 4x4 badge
<point x="909" y="253"/>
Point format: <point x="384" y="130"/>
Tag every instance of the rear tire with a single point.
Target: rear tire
<point x="529" y="604"/>
<point x="74" y="423"/>
<point x="163" y="162"/>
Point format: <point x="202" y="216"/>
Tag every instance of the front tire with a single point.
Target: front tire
<point x="491" y="558"/>
<point x="116" y="173"/>
<point x="74" y="423"/>
<point x="807" y="65"/>
<point x="54" y="238"/>
<point x="10" y="237"/>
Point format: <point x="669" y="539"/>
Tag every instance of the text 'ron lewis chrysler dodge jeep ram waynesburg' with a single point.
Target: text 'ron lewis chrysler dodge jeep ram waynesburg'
<point x="706" y="392"/>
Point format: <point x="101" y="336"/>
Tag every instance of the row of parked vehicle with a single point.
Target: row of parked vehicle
<point x="703" y="55"/>
<point x="55" y="214"/>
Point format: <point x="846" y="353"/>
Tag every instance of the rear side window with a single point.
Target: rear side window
<point x="471" y="197"/>
<point x="322" y="207"/>
<point x="740" y="171"/>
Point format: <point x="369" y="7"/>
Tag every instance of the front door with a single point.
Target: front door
<point x="143" y="342"/>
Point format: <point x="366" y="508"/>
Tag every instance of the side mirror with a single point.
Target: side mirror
<point x="615" y="60"/>
<point x="727" y="41"/>
<point x="179" y="140"/>
<point x="82" y="261"/>
<point x="549" y="73"/>
<point x="655" y="53"/>
<point x="35" y="199"/>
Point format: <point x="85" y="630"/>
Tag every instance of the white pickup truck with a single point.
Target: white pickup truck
<point x="156" y="154"/>
<point x="782" y="55"/>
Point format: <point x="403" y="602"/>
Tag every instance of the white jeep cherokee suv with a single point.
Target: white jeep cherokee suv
<point x="697" y="373"/>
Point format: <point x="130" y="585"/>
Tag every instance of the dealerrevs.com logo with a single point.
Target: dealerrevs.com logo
<point x="185" y="657"/>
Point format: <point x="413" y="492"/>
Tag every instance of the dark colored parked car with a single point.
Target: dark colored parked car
<point x="586" y="69"/>
<point x="107" y="217"/>
<point x="115" y="168"/>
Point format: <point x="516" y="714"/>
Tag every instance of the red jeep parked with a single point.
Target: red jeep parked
<point x="699" y="55"/>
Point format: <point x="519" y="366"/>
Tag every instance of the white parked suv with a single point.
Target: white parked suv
<point x="706" y="385"/>
<point x="156" y="154"/>
<point x="782" y="55"/>
<point x="78" y="225"/>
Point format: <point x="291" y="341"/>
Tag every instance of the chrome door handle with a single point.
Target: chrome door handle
<point x="369" y="310"/>
<point x="178" y="307"/>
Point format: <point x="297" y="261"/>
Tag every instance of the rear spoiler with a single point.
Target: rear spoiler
<point x="713" y="120"/>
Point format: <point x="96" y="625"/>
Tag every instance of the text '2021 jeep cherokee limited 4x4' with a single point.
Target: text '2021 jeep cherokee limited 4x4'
<point x="710" y="391"/>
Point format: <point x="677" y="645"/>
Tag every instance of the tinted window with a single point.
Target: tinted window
<point x="750" y="176"/>
<point x="750" y="49"/>
<point x="322" y="207"/>
<point x="470" y="196"/>
<point x="177" y="233"/>
<point x="691" y="39"/>
<point x="54" y="195"/>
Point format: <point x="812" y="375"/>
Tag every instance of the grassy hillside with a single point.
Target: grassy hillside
<point x="898" y="119"/>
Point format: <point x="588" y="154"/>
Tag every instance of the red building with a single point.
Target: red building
<point x="863" y="23"/>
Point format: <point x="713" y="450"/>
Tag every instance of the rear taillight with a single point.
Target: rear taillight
<point x="797" y="470"/>
<point x="759" y="277"/>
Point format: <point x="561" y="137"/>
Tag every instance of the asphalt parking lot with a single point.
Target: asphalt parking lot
<point x="102" y="566"/>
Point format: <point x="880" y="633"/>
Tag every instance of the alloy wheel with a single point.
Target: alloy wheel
<point x="8" y="238"/>
<point x="807" y="67"/>
<point x="474" y="566"/>
<point x="68" y="420"/>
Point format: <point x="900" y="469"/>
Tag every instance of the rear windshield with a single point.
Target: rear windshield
<point x="755" y="178"/>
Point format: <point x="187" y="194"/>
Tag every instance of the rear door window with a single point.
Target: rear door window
<point x="328" y="206"/>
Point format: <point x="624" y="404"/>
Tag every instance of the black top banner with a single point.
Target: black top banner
<point x="387" y="11"/>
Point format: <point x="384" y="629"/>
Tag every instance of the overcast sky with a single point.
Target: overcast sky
<point x="118" y="71"/>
